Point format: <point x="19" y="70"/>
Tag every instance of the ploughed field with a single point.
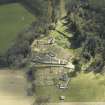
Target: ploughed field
<point x="13" y="19"/>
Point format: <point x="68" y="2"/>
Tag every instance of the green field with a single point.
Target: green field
<point x="13" y="19"/>
<point x="83" y="88"/>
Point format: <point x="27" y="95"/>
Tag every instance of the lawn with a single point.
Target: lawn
<point x="83" y="88"/>
<point x="13" y="19"/>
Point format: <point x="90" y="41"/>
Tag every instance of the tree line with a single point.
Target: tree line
<point x="87" y="24"/>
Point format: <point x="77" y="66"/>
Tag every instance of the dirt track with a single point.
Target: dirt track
<point x="13" y="88"/>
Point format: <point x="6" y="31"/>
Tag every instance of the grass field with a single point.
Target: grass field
<point x="83" y="88"/>
<point x="13" y="19"/>
<point x="13" y="87"/>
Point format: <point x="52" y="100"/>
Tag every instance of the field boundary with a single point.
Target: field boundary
<point x="78" y="103"/>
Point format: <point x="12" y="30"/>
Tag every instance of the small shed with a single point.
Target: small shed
<point x="62" y="97"/>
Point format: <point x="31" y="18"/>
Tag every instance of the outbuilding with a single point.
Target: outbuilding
<point x="62" y="97"/>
